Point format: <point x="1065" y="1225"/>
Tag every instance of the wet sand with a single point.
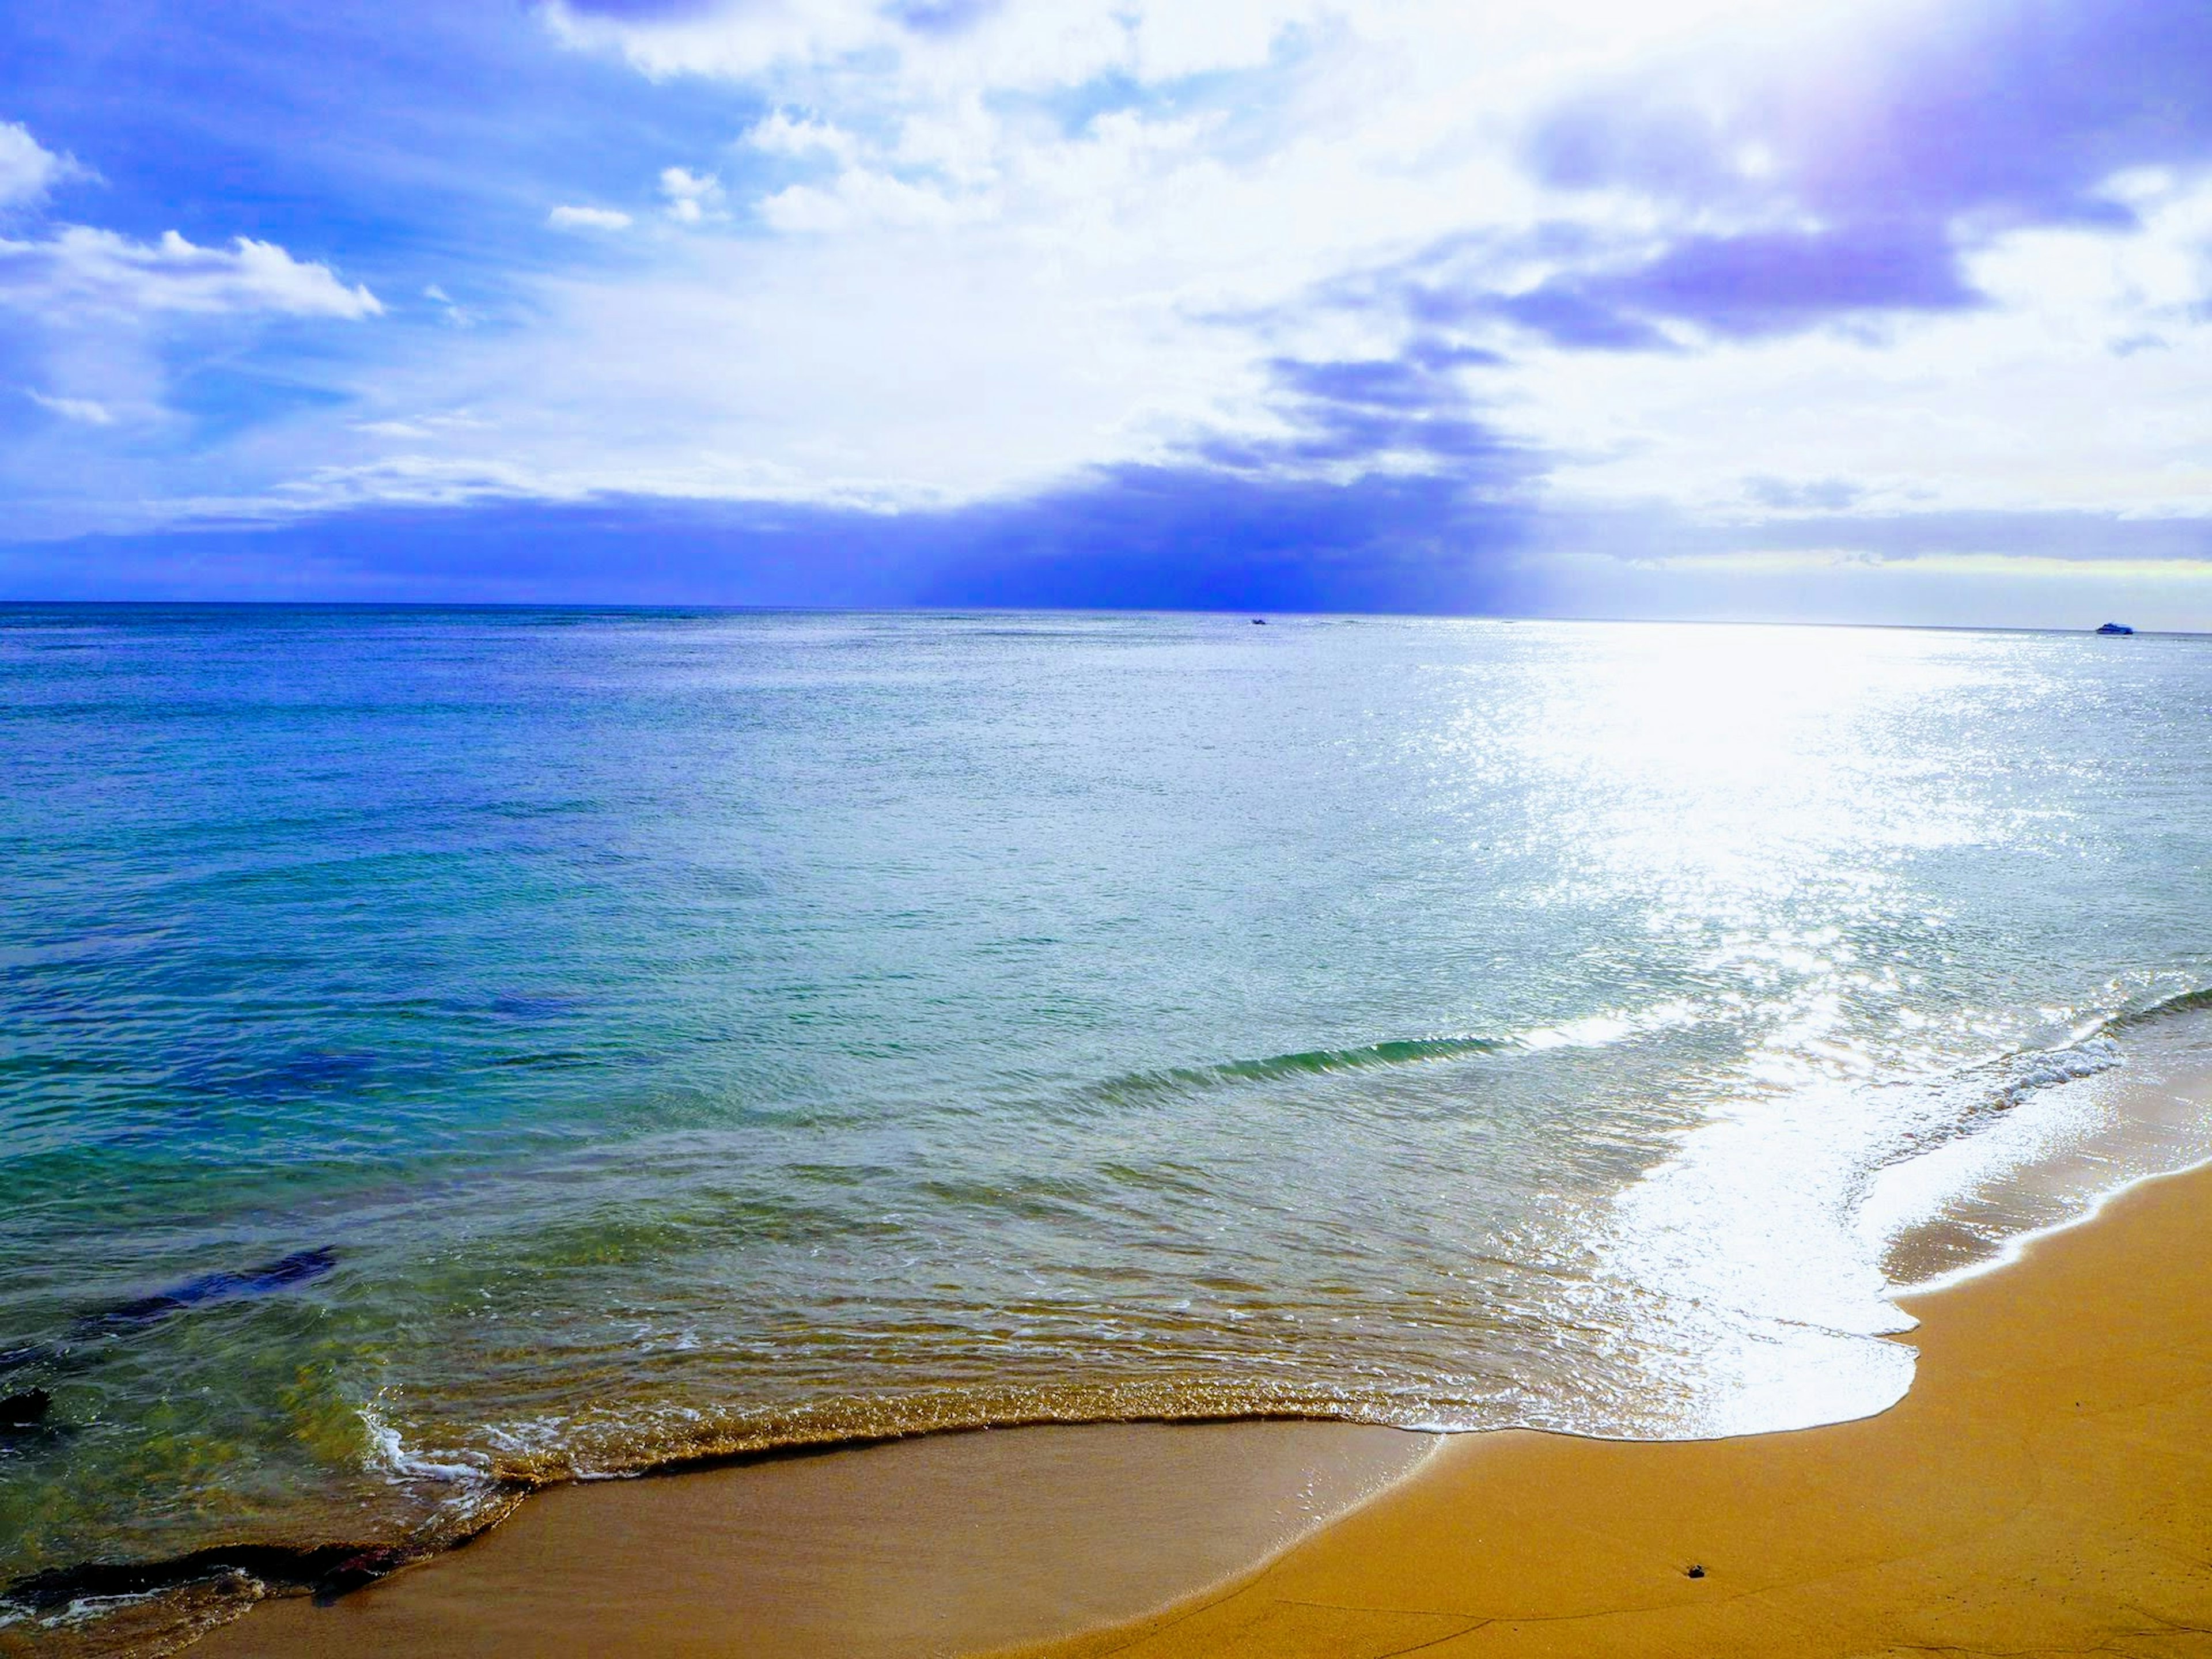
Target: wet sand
<point x="947" y="1545"/>
<point x="2046" y="1487"/>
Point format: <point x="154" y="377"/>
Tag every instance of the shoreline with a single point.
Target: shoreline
<point x="963" y="1542"/>
<point x="2040" y="1485"/>
<point x="2045" y="1487"/>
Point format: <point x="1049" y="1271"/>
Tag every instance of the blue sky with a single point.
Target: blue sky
<point x="1833" y="309"/>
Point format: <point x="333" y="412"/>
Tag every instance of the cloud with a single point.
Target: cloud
<point x="455" y="315"/>
<point x="28" y="169"/>
<point x="1156" y="537"/>
<point x="1760" y="284"/>
<point x="80" y="270"/>
<point x="1799" y="530"/>
<point x="588" y="218"/>
<point x="860" y="196"/>
<point x="691" y="197"/>
<point x="1172" y="537"/>
<point x="1408" y="414"/>
<point x="1001" y="270"/>
<point x="1816" y="494"/>
<point x="83" y="410"/>
<point x="1867" y="159"/>
<point x="974" y="288"/>
<point x="782" y="133"/>
<point x="422" y="427"/>
<point x="2017" y="109"/>
<point x="1186" y="537"/>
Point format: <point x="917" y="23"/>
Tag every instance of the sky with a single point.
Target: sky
<point x="1830" y="310"/>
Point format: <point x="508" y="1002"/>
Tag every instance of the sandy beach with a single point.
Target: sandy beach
<point x="2046" y="1487"/>
<point x="2043" y="1488"/>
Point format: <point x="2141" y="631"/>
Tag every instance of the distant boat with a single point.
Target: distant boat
<point x="2115" y="628"/>
<point x="1261" y="621"/>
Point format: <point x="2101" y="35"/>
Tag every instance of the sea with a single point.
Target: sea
<point x="448" y="1051"/>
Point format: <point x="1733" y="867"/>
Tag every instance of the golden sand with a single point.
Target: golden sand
<point x="2045" y="1489"/>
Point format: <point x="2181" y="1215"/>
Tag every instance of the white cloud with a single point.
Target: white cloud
<point x="784" y="134"/>
<point x="456" y="314"/>
<point x="856" y="49"/>
<point x="106" y="324"/>
<point x="967" y="290"/>
<point x="860" y="196"/>
<point x="28" y="169"/>
<point x="692" y="197"/>
<point x="2021" y="404"/>
<point x="587" y="218"/>
<point x="420" y="428"/>
<point x="79" y="269"/>
<point x="84" y="409"/>
<point x="736" y="43"/>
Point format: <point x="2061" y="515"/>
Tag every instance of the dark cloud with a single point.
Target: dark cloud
<point x="1187" y="536"/>
<point x="1375" y="383"/>
<point x="1566" y="314"/>
<point x="1412" y="409"/>
<point x="1904" y="143"/>
<point x="1736" y="287"/>
<point x="1385" y="490"/>
<point x="1136" y="538"/>
<point x="1776" y="283"/>
<point x="1182" y="538"/>
<point x="2016" y="108"/>
<point x="1820" y="495"/>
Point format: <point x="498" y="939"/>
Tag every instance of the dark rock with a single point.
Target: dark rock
<point x="326" y="1570"/>
<point x="23" y="1410"/>
<point x="363" y="1567"/>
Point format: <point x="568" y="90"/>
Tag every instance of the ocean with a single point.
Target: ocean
<point x="447" y="1051"/>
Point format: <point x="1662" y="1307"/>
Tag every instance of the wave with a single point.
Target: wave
<point x="2184" y="1002"/>
<point x="1593" y="1031"/>
<point x="1310" y="1062"/>
<point x="1977" y="1095"/>
<point x="1974" y="1097"/>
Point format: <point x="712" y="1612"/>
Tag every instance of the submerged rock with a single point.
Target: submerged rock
<point x="294" y="1269"/>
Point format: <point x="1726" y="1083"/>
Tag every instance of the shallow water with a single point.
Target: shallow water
<point x="692" y="1032"/>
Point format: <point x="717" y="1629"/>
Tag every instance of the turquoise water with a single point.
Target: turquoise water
<point x="694" y="1032"/>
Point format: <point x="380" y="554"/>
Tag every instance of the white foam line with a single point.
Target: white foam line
<point x="390" y="1453"/>
<point x="2019" y="1244"/>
